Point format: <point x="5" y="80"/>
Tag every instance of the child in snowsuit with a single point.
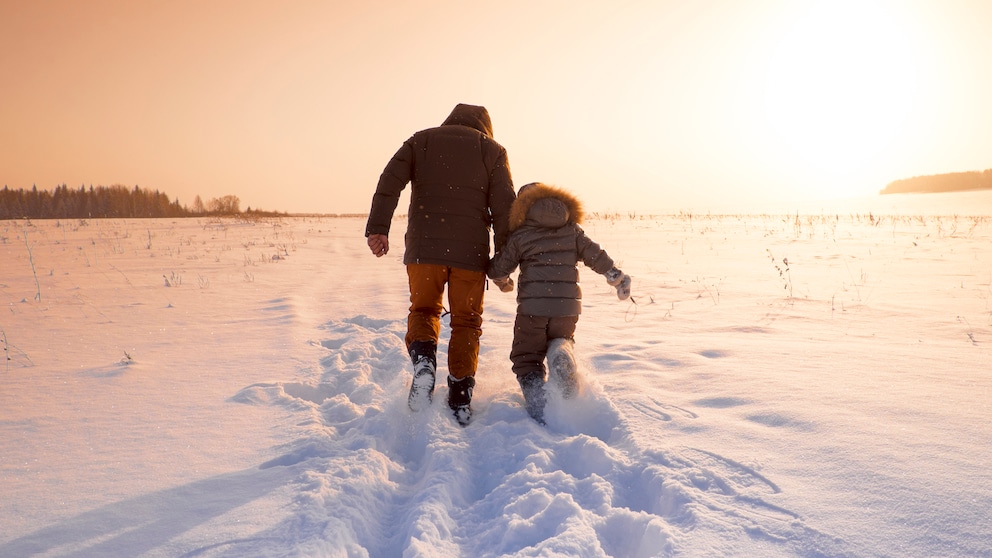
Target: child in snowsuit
<point x="547" y="243"/>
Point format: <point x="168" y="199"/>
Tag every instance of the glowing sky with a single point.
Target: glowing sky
<point x="636" y="106"/>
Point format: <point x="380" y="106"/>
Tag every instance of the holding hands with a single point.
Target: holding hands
<point x="505" y="284"/>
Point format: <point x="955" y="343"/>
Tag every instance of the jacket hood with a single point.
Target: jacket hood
<point x="544" y="206"/>
<point x="472" y="116"/>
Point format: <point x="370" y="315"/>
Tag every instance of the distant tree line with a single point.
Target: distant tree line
<point x="949" y="182"/>
<point x="107" y="201"/>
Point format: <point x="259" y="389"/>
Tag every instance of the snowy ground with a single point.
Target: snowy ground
<point x="780" y="386"/>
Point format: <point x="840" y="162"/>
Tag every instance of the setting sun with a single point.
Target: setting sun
<point x="647" y="106"/>
<point x="840" y="85"/>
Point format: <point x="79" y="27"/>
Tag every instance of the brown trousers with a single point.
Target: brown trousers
<point x="465" y="292"/>
<point x="531" y="335"/>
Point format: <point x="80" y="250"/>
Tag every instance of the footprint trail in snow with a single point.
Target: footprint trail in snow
<point x="374" y="478"/>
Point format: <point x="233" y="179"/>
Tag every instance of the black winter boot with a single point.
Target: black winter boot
<point x="423" y="354"/>
<point x="532" y="386"/>
<point x="460" y="398"/>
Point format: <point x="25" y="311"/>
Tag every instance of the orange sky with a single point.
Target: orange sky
<point x="660" y="105"/>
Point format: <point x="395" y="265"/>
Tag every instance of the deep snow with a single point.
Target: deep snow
<point x="780" y="386"/>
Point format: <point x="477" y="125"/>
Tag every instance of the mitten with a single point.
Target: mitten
<point x="505" y="284"/>
<point x="620" y="280"/>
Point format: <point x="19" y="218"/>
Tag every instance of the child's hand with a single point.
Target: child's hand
<point x="505" y="284"/>
<point x="620" y="280"/>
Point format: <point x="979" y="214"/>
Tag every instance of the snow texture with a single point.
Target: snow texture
<point x="798" y="385"/>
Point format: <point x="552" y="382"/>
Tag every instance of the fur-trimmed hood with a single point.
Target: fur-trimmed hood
<point x="541" y="205"/>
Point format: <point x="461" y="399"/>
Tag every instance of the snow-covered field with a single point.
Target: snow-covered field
<point x="780" y="386"/>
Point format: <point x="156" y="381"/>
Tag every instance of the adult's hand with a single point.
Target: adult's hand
<point x="379" y="244"/>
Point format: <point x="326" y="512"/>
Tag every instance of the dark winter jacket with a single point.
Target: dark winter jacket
<point x="461" y="186"/>
<point x="547" y="243"/>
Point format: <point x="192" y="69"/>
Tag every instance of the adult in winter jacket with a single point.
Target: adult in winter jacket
<point x="461" y="189"/>
<point x="547" y="242"/>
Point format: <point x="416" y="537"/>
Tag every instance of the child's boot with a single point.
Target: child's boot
<point x="561" y="367"/>
<point x="532" y="386"/>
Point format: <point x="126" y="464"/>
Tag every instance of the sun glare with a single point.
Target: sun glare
<point x="840" y="85"/>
